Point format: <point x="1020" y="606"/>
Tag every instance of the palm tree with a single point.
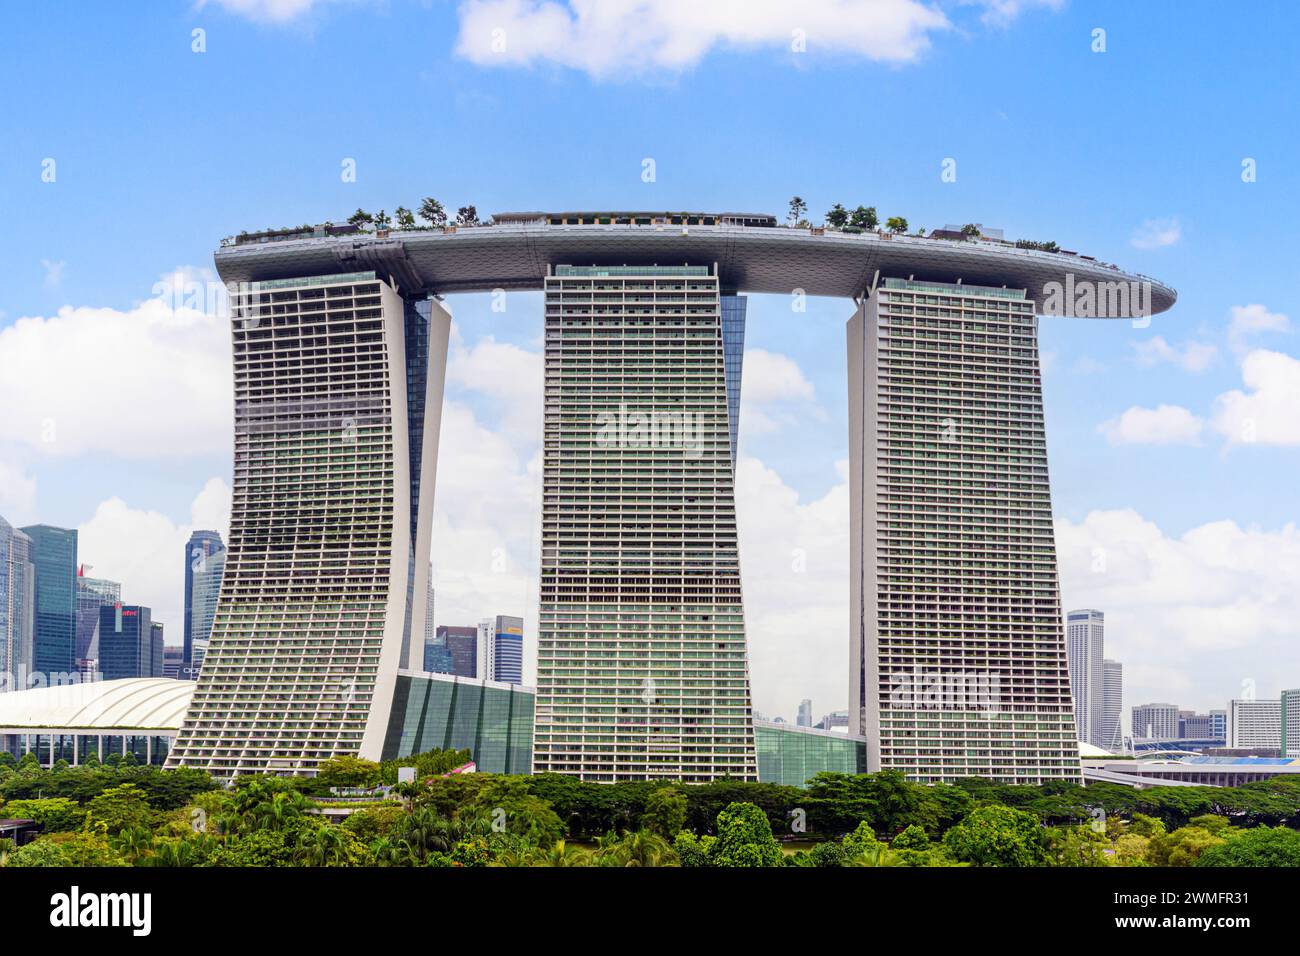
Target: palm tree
<point x="431" y="211"/>
<point x="134" y="842"/>
<point x="323" y="846"/>
<point x="562" y="854"/>
<point x="388" y="852"/>
<point x="638" y="848"/>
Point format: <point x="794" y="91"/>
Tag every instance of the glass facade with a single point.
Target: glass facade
<point x="92" y="594"/>
<point x="55" y="641"/>
<point x="733" y="357"/>
<point x="205" y="563"/>
<point x="127" y="643"/>
<point x="794" y="755"/>
<point x="494" y="721"/>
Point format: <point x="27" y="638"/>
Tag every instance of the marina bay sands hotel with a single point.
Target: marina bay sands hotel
<point x="957" y="664"/>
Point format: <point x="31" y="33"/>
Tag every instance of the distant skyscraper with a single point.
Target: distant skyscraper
<point x="804" y="719"/>
<point x="126" y="642"/>
<point x="957" y="647"/>
<point x="92" y="594"/>
<point x="501" y="649"/>
<point x="55" y="645"/>
<point x="835" y="720"/>
<point x="205" y="563"/>
<point x="158" y="651"/>
<point x="1112" y="706"/>
<point x="17" y="607"/>
<point x="1255" y="724"/>
<point x="430" y="628"/>
<point x="173" y="661"/>
<point x="1290" y="723"/>
<point x="462" y="649"/>
<point x="1155" y="722"/>
<point x="1085" y="648"/>
<point x="1219" y="724"/>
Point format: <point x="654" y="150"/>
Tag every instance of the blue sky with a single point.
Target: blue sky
<point x="1133" y="155"/>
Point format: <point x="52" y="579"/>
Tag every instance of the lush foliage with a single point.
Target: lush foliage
<point x="355" y="814"/>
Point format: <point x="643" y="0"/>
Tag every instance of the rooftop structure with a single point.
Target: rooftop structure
<point x="515" y="254"/>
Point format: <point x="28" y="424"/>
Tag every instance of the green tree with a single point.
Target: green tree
<point x="361" y="218"/>
<point x="864" y="217"/>
<point x="52" y="814"/>
<point x="638" y="848"/>
<point x="912" y="838"/>
<point x="997" y="836"/>
<point x="1183" y="847"/>
<point x="328" y="845"/>
<point x="467" y="216"/>
<point x="1262" y="846"/>
<point x="404" y="217"/>
<point x="67" y="850"/>
<point x="665" y="812"/>
<point x="798" y="208"/>
<point x="896" y="224"/>
<point x="561" y="853"/>
<point x="694" y="851"/>
<point x="507" y="801"/>
<point x="120" y="808"/>
<point x="383" y="220"/>
<point x="745" y="838"/>
<point x="346" y="770"/>
<point x="837" y="217"/>
<point x="431" y="211"/>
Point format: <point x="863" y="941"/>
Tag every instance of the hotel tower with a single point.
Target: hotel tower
<point x="957" y="648"/>
<point x="642" y="671"/>
<point x="338" y="402"/>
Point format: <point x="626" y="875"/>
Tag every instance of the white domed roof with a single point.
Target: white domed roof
<point x="134" y="703"/>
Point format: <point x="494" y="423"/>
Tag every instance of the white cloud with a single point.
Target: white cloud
<point x="53" y="272"/>
<point x="1190" y="356"/>
<point x="145" y="551"/>
<point x="269" y="11"/>
<point x="17" y="495"/>
<point x="1157" y="233"/>
<point x="1000" y="13"/>
<point x="1247" y="320"/>
<point x="486" y="527"/>
<point x="609" y="38"/>
<point x="774" y="393"/>
<point x="794" y="572"/>
<point x="507" y="374"/>
<point x="149" y="383"/>
<point x="1269" y="412"/>
<point x="1195" y="613"/>
<point x="1163" y="425"/>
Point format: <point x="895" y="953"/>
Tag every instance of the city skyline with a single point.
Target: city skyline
<point x="1187" y="628"/>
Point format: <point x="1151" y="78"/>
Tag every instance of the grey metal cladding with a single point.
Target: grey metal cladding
<point x="750" y="259"/>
